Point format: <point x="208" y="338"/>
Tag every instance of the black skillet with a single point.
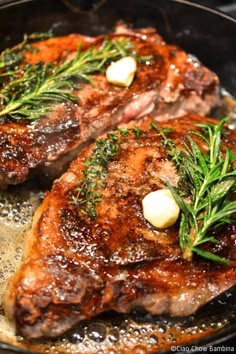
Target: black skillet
<point x="208" y="34"/>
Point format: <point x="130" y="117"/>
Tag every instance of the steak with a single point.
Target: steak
<point x="171" y="84"/>
<point x="75" y="267"/>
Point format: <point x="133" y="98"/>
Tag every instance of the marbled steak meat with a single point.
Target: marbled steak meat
<point x="175" y="83"/>
<point x="75" y="267"/>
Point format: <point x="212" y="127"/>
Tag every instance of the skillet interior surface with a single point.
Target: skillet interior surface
<point x="211" y="37"/>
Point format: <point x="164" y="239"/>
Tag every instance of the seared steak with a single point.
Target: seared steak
<point x="171" y="84"/>
<point x="75" y="266"/>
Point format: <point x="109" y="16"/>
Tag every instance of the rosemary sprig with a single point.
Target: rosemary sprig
<point x="88" y="191"/>
<point x="31" y="95"/>
<point x="204" y="191"/>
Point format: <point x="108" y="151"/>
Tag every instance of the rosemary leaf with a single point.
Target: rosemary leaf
<point x="210" y="256"/>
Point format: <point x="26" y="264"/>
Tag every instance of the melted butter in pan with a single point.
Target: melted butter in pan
<point x="16" y="210"/>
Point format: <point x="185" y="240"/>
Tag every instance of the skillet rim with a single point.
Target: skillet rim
<point x="215" y="11"/>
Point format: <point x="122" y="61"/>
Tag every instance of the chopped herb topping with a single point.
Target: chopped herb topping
<point x="137" y="131"/>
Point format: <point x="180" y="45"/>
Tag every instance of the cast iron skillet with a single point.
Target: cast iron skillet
<point x="206" y="33"/>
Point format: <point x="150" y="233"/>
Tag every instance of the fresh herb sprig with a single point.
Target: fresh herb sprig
<point x="204" y="191"/>
<point x="88" y="194"/>
<point x="12" y="57"/>
<point x="30" y="96"/>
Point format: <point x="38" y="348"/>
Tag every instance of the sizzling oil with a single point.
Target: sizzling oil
<point x="16" y="210"/>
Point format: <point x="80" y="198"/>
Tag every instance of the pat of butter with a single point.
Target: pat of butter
<point x="122" y="72"/>
<point x="160" y="208"/>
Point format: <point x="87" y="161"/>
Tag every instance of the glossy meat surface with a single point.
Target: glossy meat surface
<point x="75" y="267"/>
<point x="172" y="84"/>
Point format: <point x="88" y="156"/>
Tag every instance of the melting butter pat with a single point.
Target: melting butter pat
<point x="160" y="208"/>
<point x="122" y="72"/>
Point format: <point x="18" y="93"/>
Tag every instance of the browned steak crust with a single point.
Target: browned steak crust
<point x="75" y="268"/>
<point x="172" y="84"/>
